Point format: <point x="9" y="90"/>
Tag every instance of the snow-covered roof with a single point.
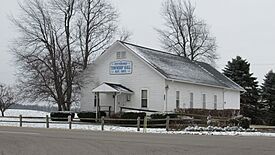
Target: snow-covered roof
<point x="182" y="69"/>
<point x="112" y="88"/>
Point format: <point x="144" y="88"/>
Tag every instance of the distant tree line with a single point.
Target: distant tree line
<point x="46" y="108"/>
<point x="34" y="107"/>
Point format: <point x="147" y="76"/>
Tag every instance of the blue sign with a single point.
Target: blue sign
<point x="121" y="67"/>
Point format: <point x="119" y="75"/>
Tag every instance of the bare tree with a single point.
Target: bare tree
<point x="57" y="38"/>
<point x="97" y="26"/>
<point x="125" y="35"/>
<point x="7" y="98"/>
<point x="185" y="34"/>
<point x="43" y="52"/>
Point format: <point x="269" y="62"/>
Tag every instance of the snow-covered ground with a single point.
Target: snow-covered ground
<point x="28" y="113"/>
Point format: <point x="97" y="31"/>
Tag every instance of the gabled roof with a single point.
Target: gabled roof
<point x="221" y="77"/>
<point x="174" y="67"/>
<point x="111" y="88"/>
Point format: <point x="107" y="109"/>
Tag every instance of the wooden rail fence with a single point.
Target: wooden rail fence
<point x="138" y="123"/>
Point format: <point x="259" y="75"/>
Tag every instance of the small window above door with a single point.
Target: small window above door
<point x="121" y="55"/>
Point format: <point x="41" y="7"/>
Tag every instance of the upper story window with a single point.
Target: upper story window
<point x="177" y="99"/>
<point x="144" y="98"/>
<point x="128" y="96"/>
<point x="121" y="55"/>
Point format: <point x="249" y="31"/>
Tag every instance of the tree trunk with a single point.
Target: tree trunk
<point x="69" y="106"/>
<point x="2" y="112"/>
<point x="59" y="107"/>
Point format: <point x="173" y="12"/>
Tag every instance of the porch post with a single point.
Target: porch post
<point x="97" y="104"/>
<point x="166" y="97"/>
<point x="115" y="101"/>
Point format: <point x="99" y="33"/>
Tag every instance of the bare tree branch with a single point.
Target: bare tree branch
<point x="97" y="27"/>
<point x="185" y="34"/>
<point x="125" y="35"/>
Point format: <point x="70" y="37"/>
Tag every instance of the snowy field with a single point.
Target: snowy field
<point x="25" y="113"/>
<point x="111" y="128"/>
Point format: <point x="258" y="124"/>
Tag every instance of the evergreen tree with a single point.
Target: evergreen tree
<point x="268" y="95"/>
<point x="239" y="71"/>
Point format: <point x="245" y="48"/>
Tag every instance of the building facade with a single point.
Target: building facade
<point x="132" y="76"/>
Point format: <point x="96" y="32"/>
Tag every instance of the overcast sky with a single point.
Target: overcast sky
<point x="241" y="27"/>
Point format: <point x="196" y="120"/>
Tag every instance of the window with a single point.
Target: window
<point x="144" y="98"/>
<point x="215" y="101"/>
<point x="118" y="55"/>
<point x="191" y="100"/>
<point x="203" y="101"/>
<point x="177" y="99"/>
<point x="128" y="96"/>
<point x="121" y="55"/>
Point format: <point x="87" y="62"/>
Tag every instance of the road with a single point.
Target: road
<point x="30" y="141"/>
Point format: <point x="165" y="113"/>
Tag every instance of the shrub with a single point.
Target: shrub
<point x="85" y="115"/>
<point x="130" y="115"/>
<point x="163" y="115"/>
<point x="133" y="115"/>
<point x="241" y="121"/>
<point x="218" y="129"/>
<point x="160" y="123"/>
<point x="158" y="116"/>
<point x="205" y="112"/>
<point x="115" y="115"/>
<point x="61" y="115"/>
<point x="172" y="115"/>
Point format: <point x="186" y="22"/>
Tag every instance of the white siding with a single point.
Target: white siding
<point x="197" y="90"/>
<point x="142" y="77"/>
<point x="232" y="99"/>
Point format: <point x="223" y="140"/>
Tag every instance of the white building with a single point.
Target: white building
<point x="131" y="76"/>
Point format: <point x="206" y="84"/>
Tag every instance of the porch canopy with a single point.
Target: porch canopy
<point x="111" y="88"/>
<point x="116" y="89"/>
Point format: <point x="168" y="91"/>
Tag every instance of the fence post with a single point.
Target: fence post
<point x="167" y="123"/>
<point x="138" y="124"/>
<point x="102" y="123"/>
<point x="144" y="124"/>
<point x="47" y="121"/>
<point x="70" y="121"/>
<point x="20" y="120"/>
